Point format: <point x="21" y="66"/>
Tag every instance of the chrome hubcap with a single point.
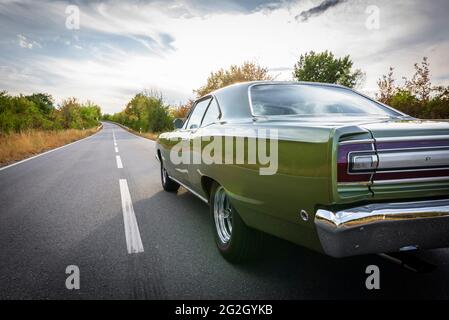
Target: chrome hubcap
<point x="223" y="215"/>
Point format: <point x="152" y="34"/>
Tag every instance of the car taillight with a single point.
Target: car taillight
<point x="357" y="162"/>
<point x="363" y="163"/>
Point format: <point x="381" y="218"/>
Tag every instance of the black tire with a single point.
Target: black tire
<point x="244" y="242"/>
<point x="168" y="184"/>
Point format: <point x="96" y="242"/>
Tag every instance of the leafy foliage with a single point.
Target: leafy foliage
<point x="182" y="110"/>
<point x="146" y="112"/>
<point x="37" y="111"/>
<point x="248" y="71"/>
<point x="417" y="97"/>
<point x="325" y="67"/>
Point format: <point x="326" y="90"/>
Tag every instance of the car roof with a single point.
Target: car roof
<point x="234" y="99"/>
<point x="245" y="85"/>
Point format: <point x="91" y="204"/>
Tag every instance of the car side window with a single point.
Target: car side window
<point x="197" y="114"/>
<point x="212" y="113"/>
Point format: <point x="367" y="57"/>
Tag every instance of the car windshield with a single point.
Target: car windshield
<point x="312" y="100"/>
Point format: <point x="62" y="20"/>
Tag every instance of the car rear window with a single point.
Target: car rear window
<point x="312" y="100"/>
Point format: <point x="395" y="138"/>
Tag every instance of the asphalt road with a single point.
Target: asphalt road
<point x="65" y="208"/>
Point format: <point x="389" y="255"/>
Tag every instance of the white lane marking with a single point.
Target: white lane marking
<point x="119" y="162"/>
<point x="132" y="234"/>
<point x="47" y="152"/>
<point x="113" y="138"/>
<point x="116" y="149"/>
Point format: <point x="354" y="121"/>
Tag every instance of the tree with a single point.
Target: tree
<point x="37" y="111"/>
<point x="248" y="71"/>
<point x="387" y="88"/>
<point x="44" y="102"/>
<point x="158" y="115"/>
<point x="69" y="114"/>
<point x="416" y="97"/>
<point x="145" y="112"/>
<point x="182" y="110"/>
<point x="325" y="67"/>
<point x="420" y="84"/>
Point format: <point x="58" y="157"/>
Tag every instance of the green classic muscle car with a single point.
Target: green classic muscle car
<point x="346" y="175"/>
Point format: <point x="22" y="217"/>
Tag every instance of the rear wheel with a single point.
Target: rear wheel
<point x="235" y="241"/>
<point x="167" y="183"/>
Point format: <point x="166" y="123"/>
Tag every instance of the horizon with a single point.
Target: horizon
<point x="125" y="47"/>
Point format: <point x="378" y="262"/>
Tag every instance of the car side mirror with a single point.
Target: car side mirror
<point x="178" y="123"/>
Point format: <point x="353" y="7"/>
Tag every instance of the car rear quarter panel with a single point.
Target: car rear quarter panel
<point x="272" y="203"/>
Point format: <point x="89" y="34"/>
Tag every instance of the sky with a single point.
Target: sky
<point x="107" y="51"/>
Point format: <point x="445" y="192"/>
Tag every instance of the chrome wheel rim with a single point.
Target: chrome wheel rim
<point x="223" y="215"/>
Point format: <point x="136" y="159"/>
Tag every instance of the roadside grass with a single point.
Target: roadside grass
<point x="18" y="146"/>
<point x="148" y="135"/>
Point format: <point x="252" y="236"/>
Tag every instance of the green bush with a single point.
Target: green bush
<point x="19" y="113"/>
<point x="146" y="112"/>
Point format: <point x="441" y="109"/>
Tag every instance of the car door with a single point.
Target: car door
<point x="176" y="168"/>
<point x="211" y="116"/>
<point x="192" y="125"/>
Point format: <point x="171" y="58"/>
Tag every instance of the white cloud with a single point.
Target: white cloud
<point x="123" y="47"/>
<point x="27" y="44"/>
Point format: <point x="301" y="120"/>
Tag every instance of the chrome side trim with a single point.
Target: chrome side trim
<point x="412" y="180"/>
<point x="355" y="184"/>
<point x="415" y="148"/>
<point x="356" y="142"/>
<point x="190" y="190"/>
<point x="396" y="139"/>
<point x="412" y="170"/>
<point x="390" y="182"/>
<point x="413" y="138"/>
<point x="383" y="227"/>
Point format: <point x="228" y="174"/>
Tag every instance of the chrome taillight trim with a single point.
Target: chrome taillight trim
<point x="354" y="154"/>
<point x="431" y="159"/>
<point x="344" y="154"/>
<point x="413" y="159"/>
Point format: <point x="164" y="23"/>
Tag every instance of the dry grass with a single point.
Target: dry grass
<point x="148" y="135"/>
<point x="18" y="146"/>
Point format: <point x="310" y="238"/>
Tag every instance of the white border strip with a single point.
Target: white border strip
<point x="132" y="234"/>
<point x="47" y="152"/>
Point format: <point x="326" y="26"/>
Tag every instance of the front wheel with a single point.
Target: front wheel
<point x="235" y="241"/>
<point x="167" y="183"/>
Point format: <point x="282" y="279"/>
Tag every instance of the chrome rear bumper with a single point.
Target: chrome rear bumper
<point x="384" y="227"/>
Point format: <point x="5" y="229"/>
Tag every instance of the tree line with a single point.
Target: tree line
<point x="145" y="112"/>
<point x="148" y="112"/>
<point x="38" y="111"/>
<point x="417" y="97"/>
